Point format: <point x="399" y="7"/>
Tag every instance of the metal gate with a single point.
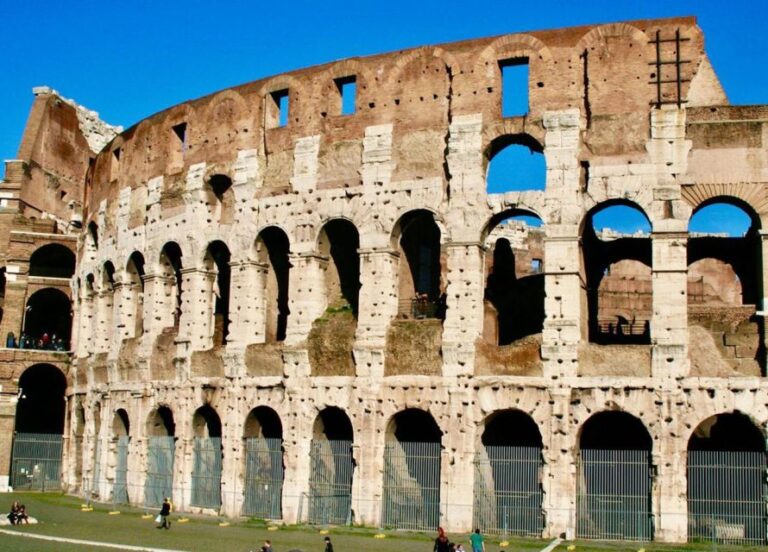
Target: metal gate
<point x="330" y="483"/>
<point x="120" y="488"/>
<point x="411" y="486"/>
<point x="36" y="463"/>
<point x="727" y="496"/>
<point x="263" y="478"/>
<point x="159" y="481"/>
<point x="508" y="491"/>
<point x="206" y="473"/>
<point x="614" y="499"/>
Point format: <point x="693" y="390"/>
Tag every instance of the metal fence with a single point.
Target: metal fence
<point x="411" y="486"/>
<point x="120" y="488"/>
<point x="263" y="478"/>
<point x="330" y="482"/>
<point x="159" y="482"/>
<point x="614" y="497"/>
<point x="36" y="461"/>
<point x="727" y="496"/>
<point x="508" y="493"/>
<point x="206" y="473"/>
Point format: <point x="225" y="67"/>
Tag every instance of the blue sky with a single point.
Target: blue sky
<point x="127" y="60"/>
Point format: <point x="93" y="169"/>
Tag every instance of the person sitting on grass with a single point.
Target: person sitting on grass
<point x="13" y="516"/>
<point x="22" y="515"/>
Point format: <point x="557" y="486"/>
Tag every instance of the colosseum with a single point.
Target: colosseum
<point x="300" y="299"/>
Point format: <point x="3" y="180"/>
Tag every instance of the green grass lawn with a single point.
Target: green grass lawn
<point x="59" y="515"/>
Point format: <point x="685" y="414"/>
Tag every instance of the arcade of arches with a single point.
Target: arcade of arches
<point x="390" y="317"/>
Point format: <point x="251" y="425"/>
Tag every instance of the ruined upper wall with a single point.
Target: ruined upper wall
<point x="605" y="71"/>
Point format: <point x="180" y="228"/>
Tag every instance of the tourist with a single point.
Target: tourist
<point x="476" y="540"/>
<point x="267" y="546"/>
<point x="10" y="341"/>
<point x="165" y="514"/>
<point x="328" y="545"/>
<point x="460" y="548"/>
<point x="21" y="515"/>
<point x="45" y="340"/>
<point x="441" y="542"/>
<point x="13" y="515"/>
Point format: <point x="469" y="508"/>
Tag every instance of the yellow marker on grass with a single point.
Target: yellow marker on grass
<point x="182" y="520"/>
<point x="379" y="536"/>
<point x="272" y="528"/>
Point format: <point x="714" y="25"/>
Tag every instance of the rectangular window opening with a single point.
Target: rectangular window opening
<point x="280" y="99"/>
<point x="536" y="266"/>
<point x="514" y="87"/>
<point x="347" y="87"/>
<point x="180" y="131"/>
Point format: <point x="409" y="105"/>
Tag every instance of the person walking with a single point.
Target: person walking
<point x="442" y="544"/>
<point x="165" y="514"/>
<point x="476" y="539"/>
<point x="328" y="545"/>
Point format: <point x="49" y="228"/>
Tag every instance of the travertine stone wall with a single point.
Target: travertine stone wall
<point x="427" y="123"/>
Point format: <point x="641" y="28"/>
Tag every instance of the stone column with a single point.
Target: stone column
<point x="763" y="306"/>
<point x="197" y="308"/>
<point x="85" y="323"/>
<point x="563" y="329"/>
<point x="104" y="312"/>
<point x="159" y="304"/>
<point x="247" y="304"/>
<point x="457" y="489"/>
<point x="14" y="305"/>
<point x="368" y="481"/>
<point x="464" y="316"/>
<point x="306" y="299"/>
<point x="560" y="469"/>
<point x="670" y="457"/>
<point x="377" y="308"/>
<point x="296" y="479"/>
<point x="669" y="322"/>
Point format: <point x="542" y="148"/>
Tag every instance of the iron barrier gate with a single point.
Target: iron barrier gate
<point x="411" y="485"/>
<point x="330" y="482"/>
<point x="727" y="496"/>
<point x="159" y="482"/>
<point x="36" y="464"/>
<point x="120" y="488"/>
<point x="262" y="496"/>
<point x="206" y="473"/>
<point x="508" y="492"/>
<point x="614" y="498"/>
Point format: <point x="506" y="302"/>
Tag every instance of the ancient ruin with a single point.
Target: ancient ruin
<point x="298" y="299"/>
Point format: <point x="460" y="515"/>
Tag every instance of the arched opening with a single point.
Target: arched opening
<point x="217" y="260"/>
<point x="508" y="493"/>
<point x="223" y="200"/>
<point x="516" y="163"/>
<point x="171" y="265"/>
<point x="420" y="284"/>
<point x="161" y="453"/>
<point x="727" y="494"/>
<point x="47" y="320"/>
<point x="412" y="471"/>
<point x="725" y="289"/>
<point x="514" y="289"/>
<point x="619" y="293"/>
<point x="120" y="446"/>
<point x="615" y="479"/>
<point x="207" y="459"/>
<point x="37" y="442"/>
<point x="105" y="307"/>
<point x="52" y="261"/>
<point x="339" y="242"/>
<point x="92" y="239"/>
<point x="272" y="249"/>
<point x="134" y="271"/>
<point x="263" y="485"/>
<point x="332" y="468"/>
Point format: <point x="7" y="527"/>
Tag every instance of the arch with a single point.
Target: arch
<point x="743" y="195"/>
<point x="41" y="404"/>
<point x="421" y="285"/>
<point x="207" y="458"/>
<point x="272" y="250"/>
<point x="119" y="447"/>
<point x="217" y="259"/>
<point x="170" y="261"/>
<point x="339" y="241"/>
<point x="412" y="464"/>
<point x="615" y="478"/>
<point x="732" y="201"/>
<point x="92" y="239"/>
<point x="601" y="251"/>
<point x="508" y="492"/>
<point x="48" y="320"/>
<point x="264" y="469"/>
<point x="515" y="162"/>
<point x="52" y="261"/>
<point x="513" y="46"/>
<point x="135" y="273"/>
<point x="514" y="289"/>
<point x="332" y="468"/>
<point x="726" y="468"/>
<point x="161" y="453"/>
<point x="121" y="425"/>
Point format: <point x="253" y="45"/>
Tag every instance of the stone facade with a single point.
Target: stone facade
<point x="208" y="274"/>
